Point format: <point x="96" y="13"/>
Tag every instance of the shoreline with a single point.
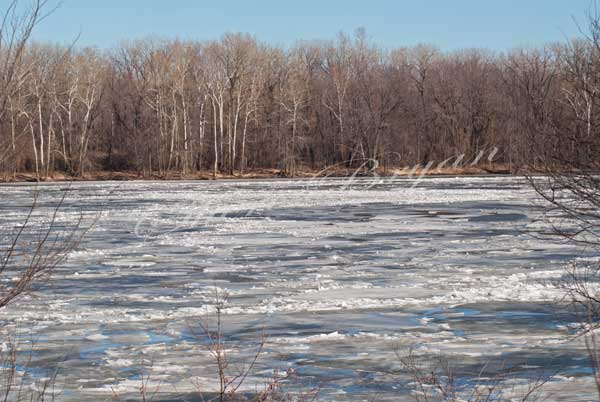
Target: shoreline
<point x="259" y="174"/>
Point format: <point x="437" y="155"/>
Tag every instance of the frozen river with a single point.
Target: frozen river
<point x="339" y="276"/>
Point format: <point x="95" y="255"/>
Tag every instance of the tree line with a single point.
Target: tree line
<point x="158" y="106"/>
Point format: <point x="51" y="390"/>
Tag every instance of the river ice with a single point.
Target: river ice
<point x="340" y="276"/>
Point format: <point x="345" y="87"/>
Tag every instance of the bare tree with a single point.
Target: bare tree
<point x="294" y="99"/>
<point x="437" y="380"/>
<point x="38" y="246"/>
<point x="16" y="26"/>
<point x="569" y="166"/>
<point x="28" y="257"/>
<point x="336" y="64"/>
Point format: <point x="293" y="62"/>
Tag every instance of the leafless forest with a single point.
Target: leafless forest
<point x="237" y="104"/>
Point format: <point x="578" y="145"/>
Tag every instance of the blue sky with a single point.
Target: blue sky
<point x="495" y="24"/>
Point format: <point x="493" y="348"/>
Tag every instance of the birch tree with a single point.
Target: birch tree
<point x="16" y="26"/>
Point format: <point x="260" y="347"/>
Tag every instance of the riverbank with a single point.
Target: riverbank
<point x="259" y="174"/>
